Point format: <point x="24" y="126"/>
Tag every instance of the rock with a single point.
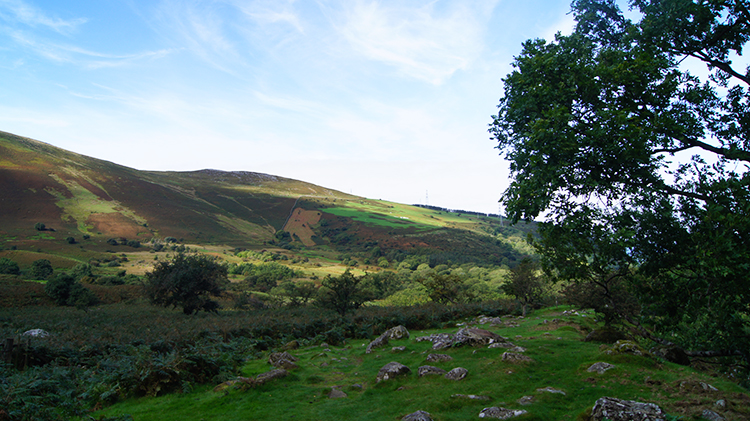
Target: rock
<point x="605" y="335"/>
<point x="500" y="413"/>
<point x="434" y="358"/>
<point x="721" y="404"/>
<point x="518" y="349"/>
<point x="270" y="375"/>
<point x="614" y="409"/>
<point x="244" y="380"/>
<point x="551" y="390"/>
<point x="491" y="320"/>
<point x="397" y="349"/>
<point x="391" y="370"/>
<point x="283" y="360"/>
<point x="336" y="393"/>
<point x="696" y="386"/>
<point x="439" y="340"/>
<point x="428" y="370"/>
<point x="291" y="345"/>
<point x="418" y="416"/>
<point x="502" y="345"/>
<point x="627" y="347"/>
<point x="711" y="415"/>
<point x="457" y="373"/>
<point x="599" y="367"/>
<point x="526" y="400"/>
<point x="398" y="332"/>
<point x="673" y="354"/>
<point x="36" y="333"/>
<point x="476" y="337"/>
<point x="514" y="358"/>
<point x="471" y="397"/>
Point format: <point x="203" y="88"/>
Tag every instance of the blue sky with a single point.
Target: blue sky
<point x="384" y="99"/>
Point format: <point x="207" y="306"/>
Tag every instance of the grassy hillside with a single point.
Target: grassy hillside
<point x="92" y="201"/>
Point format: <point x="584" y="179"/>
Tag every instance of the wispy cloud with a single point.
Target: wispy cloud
<point x="19" y="11"/>
<point x="421" y="42"/>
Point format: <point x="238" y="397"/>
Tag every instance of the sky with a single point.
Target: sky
<point x="383" y="99"/>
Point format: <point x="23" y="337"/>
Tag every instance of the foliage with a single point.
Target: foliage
<point x="295" y="294"/>
<point x="66" y="291"/>
<point x="8" y="266"/>
<point x="264" y="277"/>
<point x="39" y="226"/>
<point x="187" y="281"/>
<point x="446" y="289"/>
<point x="525" y="283"/>
<point x="41" y="269"/>
<point x="597" y="125"/>
<point x="342" y="293"/>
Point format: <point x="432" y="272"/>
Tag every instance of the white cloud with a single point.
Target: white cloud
<point x="29" y="15"/>
<point x="421" y="42"/>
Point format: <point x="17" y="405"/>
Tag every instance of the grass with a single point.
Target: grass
<point x="560" y="361"/>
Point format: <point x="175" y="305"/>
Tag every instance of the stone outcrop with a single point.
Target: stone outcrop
<point x="418" y="416"/>
<point x="391" y="370"/>
<point x="283" y="360"/>
<point x="626" y="347"/>
<point x="457" y="373"/>
<point x="398" y="332"/>
<point x="500" y="413"/>
<point x="473" y="336"/>
<point x="270" y="375"/>
<point x="439" y="340"/>
<point x="471" y="397"/>
<point x="551" y="390"/>
<point x="436" y="358"/>
<point x="336" y="393"/>
<point x="514" y="358"/>
<point x="428" y="370"/>
<point x="614" y="409"/>
<point x="600" y="367"/>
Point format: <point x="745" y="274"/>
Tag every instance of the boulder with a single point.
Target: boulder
<point x="627" y="347"/>
<point x="526" y="400"/>
<point x="418" y="416"/>
<point x="502" y="345"/>
<point x="227" y="384"/>
<point x="551" y="390"/>
<point x="36" y="333"/>
<point x="270" y="375"/>
<point x="471" y="397"/>
<point x="513" y="358"/>
<point x="336" y="393"/>
<point x="398" y="332"/>
<point x="291" y="345"/>
<point x="283" y="360"/>
<point x="428" y="370"/>
<point x="711" y="415"/>
<point x="474" y="336"/>
<point x="500" y="413"/>
<point x="397" y="349"/>
<point x="391" y="370"/>
<point x="614" y="409"/>
<point x="435" y="358"/>
<point x="457" y="373"/>
<point x="439" y="340"/>
<point x="599" y="367"/>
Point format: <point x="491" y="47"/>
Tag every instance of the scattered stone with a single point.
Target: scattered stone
<point x="501" y="345"/>
<point x="471" y="397"/>
<point x="614" y="409"/>
<point x="439" y="340"/>
<point x="500" y="413"/>
<point x="600" y="367"/>
<point x="721" y="404"/>
<point x="457" y="373"/>
<point x="435" y="358"/>
<point x="397" y="349"/>
<point x="673" y="354"/>
<point x="418" y="416"/>
<point x="476" y="337"/>
<point x="36" y="333"/>
<point x="491" y="320"/>
<point x="526" y="400"/>
<point x="551" y="390"/>
<point x="626" y="347"/>
<point x="391" y="370"/>
<point x="518" y="349"/>
<point x="283" y="360"/>
<point x="605" y="335"/>
<point x="337" y="393"/>
<point x="398" y="332"/>
<point x="514" y="358"/>
<point x="696" y="386"/>
<point x="428" y="370"/>
<point x="711" y="415"/>
<point x="270" y="375"/>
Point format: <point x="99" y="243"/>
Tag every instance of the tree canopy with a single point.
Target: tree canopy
<point x="188" y="281"/>
<point x="630" y="137"/>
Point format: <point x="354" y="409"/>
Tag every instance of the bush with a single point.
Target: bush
<point x="8" y="266"/>
<point x="70" y="240"/>
<point x="40" y="226"/>
<point x="41" y="269"/>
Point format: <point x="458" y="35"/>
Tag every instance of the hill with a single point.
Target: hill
<point x="94" y="201"/>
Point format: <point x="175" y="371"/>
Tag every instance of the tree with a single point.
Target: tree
<point x="187" y="281"/>
<point x="66" y="291"/>
<point x="8" y="266"/>
<point x="342" y="293"/>
<point x="41" y="269"/>
<point x="39" y="226"/>
<point x="446" y="288"/>
<point x="525" y="283"/>
<point x="610" y="136"/>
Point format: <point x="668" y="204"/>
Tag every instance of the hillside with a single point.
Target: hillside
<point x="93" y="201"/>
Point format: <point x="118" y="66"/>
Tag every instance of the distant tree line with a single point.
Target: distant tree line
<point x="459" y="211"/>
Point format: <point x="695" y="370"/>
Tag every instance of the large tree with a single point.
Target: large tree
<point x="188" y="281"/>
<point x="630" y="137"/>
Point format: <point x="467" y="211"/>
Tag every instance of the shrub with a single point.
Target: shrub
<point x="70" y="240"/>
<point x="40" y="226"/>
<point x="41" y="269"/>
<point x="8" y="266"/>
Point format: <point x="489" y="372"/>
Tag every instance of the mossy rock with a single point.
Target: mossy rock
<point x="607" y="335"/>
